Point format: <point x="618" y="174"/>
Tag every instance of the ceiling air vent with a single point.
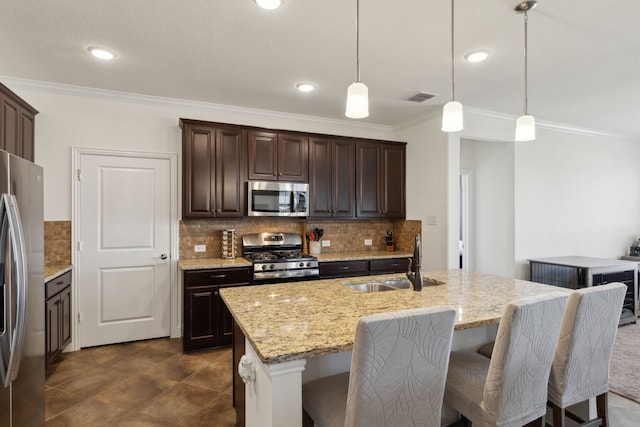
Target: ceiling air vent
<point x="421" y="97"/>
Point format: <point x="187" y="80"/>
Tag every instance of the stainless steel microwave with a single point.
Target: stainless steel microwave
<point x="274" y="198"/>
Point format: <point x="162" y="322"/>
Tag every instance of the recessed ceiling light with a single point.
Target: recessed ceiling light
<point x="477" y="56"/>
<point x="306" y="87"/>
<point x="269" y="4"/>
<point x="102" y="53"/>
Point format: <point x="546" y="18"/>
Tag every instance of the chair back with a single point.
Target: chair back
<point x="516" y="386"/>
<point x="399" y="367"/>
<point x="580" y="367"/>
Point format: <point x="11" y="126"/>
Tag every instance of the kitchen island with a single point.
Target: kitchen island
<point x="297" y="332"/>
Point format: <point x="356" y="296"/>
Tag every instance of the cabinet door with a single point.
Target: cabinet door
<point x="198" y="186"/>
<point x="65" y="318"/>
<point x="368" y="179"/>
<point x="27" y="134"/>
<point x="10" y="126"/>
<point x="230" y="158"/>
<point x="335" y="269"/>
<point x="52" y="328"/>
<point x="263" y="156"/>
<point x="393" y="183"/>
<point x="320" y="173"/>
<point x="293" y="157"/>
<point x="200" y="317"/>
<point x="343" y="179"/>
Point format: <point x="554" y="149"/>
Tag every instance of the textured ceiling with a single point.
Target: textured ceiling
<point x="584" y="65"/>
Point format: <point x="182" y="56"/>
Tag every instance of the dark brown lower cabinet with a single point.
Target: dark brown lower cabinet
<point x="207" y="322"/>
<point x="57" y="317"/>
<point x="335" y="269"/>
<point x="388" y="265"/>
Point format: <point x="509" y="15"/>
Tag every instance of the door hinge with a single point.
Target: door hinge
<point x="79" y="245"/>
<point x="78" y="317"/>
<point x="79" y="175"/>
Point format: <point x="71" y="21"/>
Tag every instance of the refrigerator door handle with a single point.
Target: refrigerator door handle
<point x="11" y="217"/>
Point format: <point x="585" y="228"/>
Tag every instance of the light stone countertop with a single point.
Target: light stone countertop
<point x="208" y="263"/>
<point x="353" y="256"/>
<point x="297" y="320"/>
<point x="53" y="271"/>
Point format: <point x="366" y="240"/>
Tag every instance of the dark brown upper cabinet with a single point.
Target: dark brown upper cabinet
<point x="214" y="170"/>
<point x="331" y="178"/>
<point x="278" y="156"/>
<point x="17" y="123"/>
<point x="380" y="179"/>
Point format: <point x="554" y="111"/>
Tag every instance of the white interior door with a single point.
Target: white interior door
<point x="124" y="242"/>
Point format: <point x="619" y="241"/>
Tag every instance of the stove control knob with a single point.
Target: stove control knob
<point x="308" y="264"/>
<point x="272" y="266"/>
<point x="264" y="266"/>
<point x="301" y="264"/>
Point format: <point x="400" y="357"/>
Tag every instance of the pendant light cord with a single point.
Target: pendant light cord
<point x="526" y="20"/>
<point x="357" y="40"/>
<point x="453" y="60"/>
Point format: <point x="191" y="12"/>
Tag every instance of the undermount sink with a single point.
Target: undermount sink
<point x="380" y="286"/>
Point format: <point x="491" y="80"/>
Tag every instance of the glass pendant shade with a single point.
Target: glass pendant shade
<point x="452" y="119"/>
<point x="526" y="128"/>
<point x="269" y="4"/>
<point x="357" y="101"/>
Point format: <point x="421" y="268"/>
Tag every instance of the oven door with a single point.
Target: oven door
<point x="265" y="198"/>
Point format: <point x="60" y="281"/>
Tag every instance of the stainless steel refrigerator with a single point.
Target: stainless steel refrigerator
<point x="22" y="342"/>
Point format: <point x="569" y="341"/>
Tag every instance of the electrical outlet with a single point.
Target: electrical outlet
<point x="432" y="220"/>
<point x="200" y="248"/>
<point x="326" y="243"/>
<point x="368" y="242"/>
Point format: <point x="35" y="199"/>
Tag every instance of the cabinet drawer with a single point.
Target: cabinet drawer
<point x="343" y="269"/>
<point x="56" y="285"/>
<point x="388" y="265"/>
<point x="217" y="276"/>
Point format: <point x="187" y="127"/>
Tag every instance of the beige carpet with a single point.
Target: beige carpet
<point x="625" y="363"/>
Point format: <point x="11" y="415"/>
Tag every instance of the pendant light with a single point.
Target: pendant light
<point x="357" y="93"/>
<point x="452" y="120"/>
<point x="526" y="124"/>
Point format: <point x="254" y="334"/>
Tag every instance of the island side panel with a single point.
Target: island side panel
<point x="238" y="385"/>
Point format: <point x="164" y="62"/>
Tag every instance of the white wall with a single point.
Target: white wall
<point x="88" y="118"/>
<point x="575" y="192"/>
<point x="427" y="187"/>
<point x="492" y="237"/>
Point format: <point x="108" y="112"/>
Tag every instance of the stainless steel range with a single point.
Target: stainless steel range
<point x="278" y="256"/>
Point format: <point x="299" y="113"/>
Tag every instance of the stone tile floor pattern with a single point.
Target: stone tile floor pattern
<point x="144" y="383"/>
<point x="152" y="383"/>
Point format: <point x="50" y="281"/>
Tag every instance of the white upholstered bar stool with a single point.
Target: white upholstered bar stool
<point x="510" y="389"/>
<point x="580" y="369"/>
<point x="398" y="369"/>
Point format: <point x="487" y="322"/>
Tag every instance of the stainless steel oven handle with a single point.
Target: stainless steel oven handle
<point x="9" y="211"/>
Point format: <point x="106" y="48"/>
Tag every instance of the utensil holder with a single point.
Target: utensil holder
<point x="315" y="248"/>
<point x="228" y="243"/>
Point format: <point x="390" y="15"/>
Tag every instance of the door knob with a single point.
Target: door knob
<point x="163" y="256"/>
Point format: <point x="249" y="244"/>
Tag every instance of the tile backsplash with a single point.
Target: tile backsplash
<point x="57" y="243"/>
<point x="345" y="235"/>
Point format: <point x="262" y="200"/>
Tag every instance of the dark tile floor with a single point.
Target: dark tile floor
<point x="151" y="383"/>
<point x="144" y="383"/>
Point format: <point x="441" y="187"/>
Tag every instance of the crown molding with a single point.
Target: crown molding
<point x="189" y="104"/>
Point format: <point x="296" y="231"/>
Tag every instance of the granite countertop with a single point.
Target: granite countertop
<point x="352" y="256"/>
<point x="303" y="319"/>
<point x="53" y="271"/>
<point x="208" y="263"/>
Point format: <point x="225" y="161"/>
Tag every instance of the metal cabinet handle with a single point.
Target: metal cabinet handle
<point x="345" y="267"/>
<point x="218" y="276"/>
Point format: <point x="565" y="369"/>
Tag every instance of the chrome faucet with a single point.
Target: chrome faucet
<point x="415" y="276"/>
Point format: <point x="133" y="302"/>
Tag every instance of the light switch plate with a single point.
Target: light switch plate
<point x="368" y="242"/>
<point x="326" y="243"/>
<point x="432" y="220"/>
<point x="200" y="248"/>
